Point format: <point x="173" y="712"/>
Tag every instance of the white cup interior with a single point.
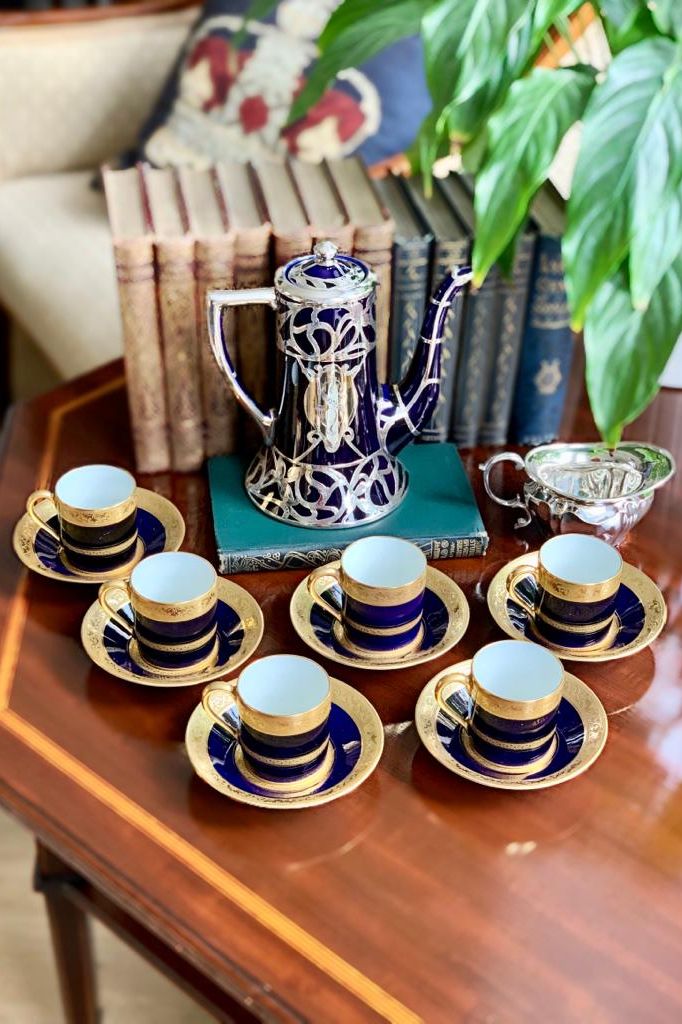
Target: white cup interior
<point x="516" y="670"/>
<point x="577" y="558"/>
<point x="173" y="576"/>
<point x="383" y="561"/>
<point x="283" y="684"/>
<point x="94" y="487"/>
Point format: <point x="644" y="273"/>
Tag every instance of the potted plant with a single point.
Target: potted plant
<point x="623" y="243"/>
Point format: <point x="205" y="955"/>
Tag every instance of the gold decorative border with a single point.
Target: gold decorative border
<point x="265" y="914"/>
<point x="365" y="717"/>
<point x="450" y="593"/>
<point x="655" y="612"/>
<point x="247" y="608"/>
<point x="25" y="531"/>
<point x="583" y="699"/>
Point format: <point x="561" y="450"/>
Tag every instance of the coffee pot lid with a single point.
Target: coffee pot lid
<point x="325" y="276"/>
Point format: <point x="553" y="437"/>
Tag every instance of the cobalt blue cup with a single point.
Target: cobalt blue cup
<point x="577" y="579"/>
<point x="96" y="517"/>
<point x="282" y="734"/>
<point x="513" y="692"/>
<point x="382" y="582"/>
<point x="174" y="604"/>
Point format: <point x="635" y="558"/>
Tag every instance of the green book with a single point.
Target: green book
<point x="439" y="513"/>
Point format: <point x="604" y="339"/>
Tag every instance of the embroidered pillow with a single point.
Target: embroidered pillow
<point x="225" y="102"/>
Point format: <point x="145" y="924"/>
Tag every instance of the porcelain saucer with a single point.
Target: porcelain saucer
<point x="446" y="617"/>
<point x="160" y="527"/>
<point x="581" y="732"/>
<point x="240" y="628"/>
<point x="357" y="738"/>
<point x="640" y="609"/>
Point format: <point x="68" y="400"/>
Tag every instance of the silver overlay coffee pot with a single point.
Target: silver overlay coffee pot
<point x="328" y="454"/>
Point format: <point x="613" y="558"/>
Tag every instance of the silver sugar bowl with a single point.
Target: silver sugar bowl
<point x="585" y="488"/>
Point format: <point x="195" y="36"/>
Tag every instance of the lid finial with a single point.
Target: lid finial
<point x="326" y="251"/>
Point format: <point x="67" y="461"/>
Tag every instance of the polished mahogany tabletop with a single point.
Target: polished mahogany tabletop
<point x="420" y="896"/>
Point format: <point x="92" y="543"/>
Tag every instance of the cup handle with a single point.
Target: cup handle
<point x="317" y="576"/>
<point x="521" y="572"/>
<point x="450" y="712"/>
<point x="105" y="592"/>
<point x="31" y="504"/>
<point x="214" y="699"/>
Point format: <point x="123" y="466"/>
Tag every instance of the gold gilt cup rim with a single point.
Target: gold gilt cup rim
<point x="369" y="593"/>
<point x="284" y="725"/>
<point x="170" y="610"/>
<point x="82" y="515"/>
<point x="507" y="708"/>
<point x="571" y="590"/>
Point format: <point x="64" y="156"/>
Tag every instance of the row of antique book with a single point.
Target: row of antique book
<point x="178" y="233"/>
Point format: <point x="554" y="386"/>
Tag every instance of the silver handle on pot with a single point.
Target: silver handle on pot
<point x="516" y="502"/>
<point x="216" y="302"/>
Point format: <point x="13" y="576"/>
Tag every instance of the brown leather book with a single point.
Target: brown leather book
<point x="322" y="204"/>
<point x="247" y="217"/>
<point x="175" y="288"/>
<point x="372" y="239"/>
<point x="134" y="255"/>
<point x="290" y="228"/>
<point x="214" y="268"/>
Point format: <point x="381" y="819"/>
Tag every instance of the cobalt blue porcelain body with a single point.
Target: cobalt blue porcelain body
<point x="628" y="608"/>
<point x="150" y="529"/>
<point x="99" y="548"/>
<point x="593" y="617"/>
<point x="283" y="758"/>
<point x="328" y="458"/>
<point x="382" y="627"/>
<point x="346" y="745"/>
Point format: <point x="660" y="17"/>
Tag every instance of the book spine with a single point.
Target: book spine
<point x="500" y="392"/>
<point x="480" y="328"/>
<point x="142" y="354"/>
<point x="374" y="247"/>
<point x="176" y="290"/>
<point x="447" y="255"/>
<point x="288" y="246"/>
<point x="546" y="351"/>
<point x="262" y="561"/>
<point x="408" y="298"/>
<point x="215" y="269"/>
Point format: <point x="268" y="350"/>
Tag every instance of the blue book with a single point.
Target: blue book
<point x="547" y="347"/>
<point x="439" y="513"/>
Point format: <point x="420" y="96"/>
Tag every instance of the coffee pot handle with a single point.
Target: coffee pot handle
<point x="217" y="301"/>
<point x="516" y="502"/>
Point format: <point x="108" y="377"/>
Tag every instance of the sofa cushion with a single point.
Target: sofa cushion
<point x="74" y="95"/>
<point x="57" y="275"/>
<point x="232" y="103"/>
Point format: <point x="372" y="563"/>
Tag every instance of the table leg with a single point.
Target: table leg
<point x="71" y="940"/>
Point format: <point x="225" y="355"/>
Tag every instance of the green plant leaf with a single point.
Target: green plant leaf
<point x="469" y="49"/>
<point x="668" y="17"/>
<point x="256" y="10"/>
<point x="627" y="349"/>
<point x="626" y="22"/>
<point x="657" y="205"/>
<point x="356" y="31"/>
<point x="599" y="209"/>
<point x="523" y="137"/>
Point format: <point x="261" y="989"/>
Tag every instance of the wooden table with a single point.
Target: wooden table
<point x="418" y="897"/>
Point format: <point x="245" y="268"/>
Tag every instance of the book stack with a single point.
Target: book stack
<point x="180" y="233"/>
<point x="507" y="349"/>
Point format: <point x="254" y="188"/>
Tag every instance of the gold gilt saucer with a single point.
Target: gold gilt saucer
<point x="239" y="632"/>
<point x="640" y="610"/>
<point x="582" y="729"/>
<point x="357" y="739"/>
<point x="160" y="528"/>
<point x="446" y="617"/>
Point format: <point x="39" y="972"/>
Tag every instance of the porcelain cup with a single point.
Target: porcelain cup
<point x="283" y="702"/>
<point x="513" y="694"/>
<point x="382" y="582"/>
<point x="576" y="588"/>
<point x="173" y="598"/>
<point x="97" y="517"/>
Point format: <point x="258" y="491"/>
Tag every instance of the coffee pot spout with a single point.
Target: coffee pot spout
<point x="404" y="409"/>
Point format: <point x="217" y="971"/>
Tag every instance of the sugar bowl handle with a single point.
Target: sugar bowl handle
<point x="216" y="302"/>
<point x="516" y="502"/>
